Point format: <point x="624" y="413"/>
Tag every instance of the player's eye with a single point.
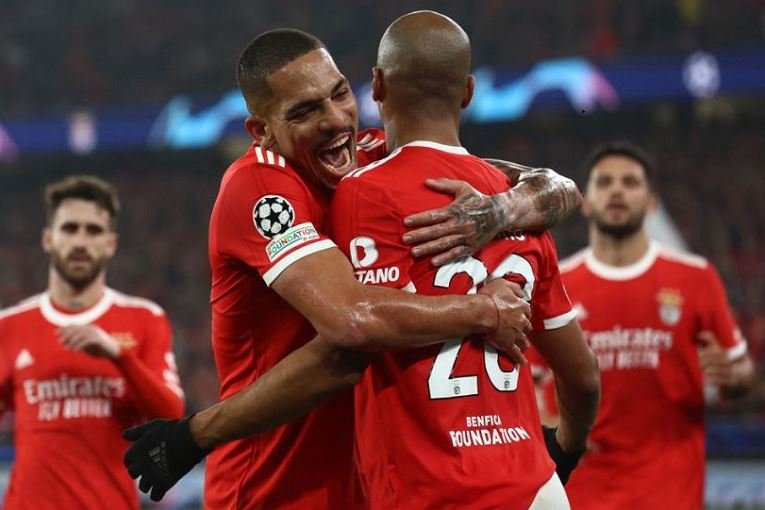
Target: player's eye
<point x="94" y="230"/>
<point x="69" y="228"/>
<point x="342" y="93"/>
<point x="631" y="182"/>
<point x="603" y="182"/>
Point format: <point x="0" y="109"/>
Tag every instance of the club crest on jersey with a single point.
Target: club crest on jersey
<point x="126" y="340"/>
<point x="272" y="216"/>
<point x="670" y="306"/>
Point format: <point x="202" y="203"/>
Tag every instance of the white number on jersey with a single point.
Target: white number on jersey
<point x="441" y="384"/>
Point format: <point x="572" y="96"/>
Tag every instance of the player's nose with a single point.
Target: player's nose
<point x="334" y="118"/>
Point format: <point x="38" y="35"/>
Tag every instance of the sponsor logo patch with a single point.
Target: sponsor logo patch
<point x="272" y="216"/>
<point x="293" y="237"/>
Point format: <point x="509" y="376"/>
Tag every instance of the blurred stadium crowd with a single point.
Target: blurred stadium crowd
<point x="57" y="56"/>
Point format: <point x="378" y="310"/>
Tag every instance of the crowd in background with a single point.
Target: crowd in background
<point x="58" y="56"/>
<point x="711" y="182"/>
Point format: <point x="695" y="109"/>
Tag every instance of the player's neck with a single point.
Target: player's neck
<point x="67" y="296"/>
<point x="399" y="133"/>
<point x="619" y="252"/>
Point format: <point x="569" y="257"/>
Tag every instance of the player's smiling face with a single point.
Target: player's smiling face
<point x="618" y="196"/>
<point x="80" y="241"/>
<point x="312" y="118"/>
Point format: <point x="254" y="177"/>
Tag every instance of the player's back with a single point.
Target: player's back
<point x="453" y="425"/>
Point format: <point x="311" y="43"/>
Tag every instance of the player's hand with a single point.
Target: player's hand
<point x="162" y="452"/>
<point x="565" y="462"/>
<point x="715" y="364"/>
<point x="91" y="339"/>
<point x="459" y="229"/>
<point x="514" y="319"/>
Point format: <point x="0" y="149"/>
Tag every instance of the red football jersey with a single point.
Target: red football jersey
<point x="452" y="425"/>
<point x="642" y="322"/>
<point x="70" y="407"/>
<point x="265" y="218"/>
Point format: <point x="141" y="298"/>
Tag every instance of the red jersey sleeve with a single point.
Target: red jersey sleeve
<point x="268" y="219"/>
<point x="368" y="229"/>
<point x="151" y="371"/>
<point x="550" y="306"/>
<point x="715" y="314"/>
<point x="370" y="146"/>
<point x="6" y="388"/>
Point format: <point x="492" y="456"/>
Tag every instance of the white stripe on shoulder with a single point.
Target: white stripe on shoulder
<point x="259" y="155"/>
<point x="560" y="320"/>
<point x="366" y="139"/>
<point x="27" y="304"/>
<point x="127" y="301"/>
<point x="371" y="146"/>
<point x="270" y="157"/>
<point x="281" y="162"/>
<point x="688" y="259"/>
<point x="364" y="169"/>
<point x="572" y="261"/>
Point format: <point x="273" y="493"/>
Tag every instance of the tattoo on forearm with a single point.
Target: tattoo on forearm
<point x="553" y="196"/>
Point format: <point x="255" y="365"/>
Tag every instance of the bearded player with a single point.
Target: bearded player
<point x="81" y="361"/>
<point x="660" y="325"/>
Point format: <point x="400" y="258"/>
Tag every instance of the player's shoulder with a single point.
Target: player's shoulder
<point x="573" y="262"/>
<point x="126" y="301"/>
<point x="681" y="259"/>
<point x="21" y="308"/>
<point x="257" y="165"/>
<point x="369" y="139"/>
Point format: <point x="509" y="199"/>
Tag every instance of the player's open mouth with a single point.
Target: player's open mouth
<point x="337" y="154"/>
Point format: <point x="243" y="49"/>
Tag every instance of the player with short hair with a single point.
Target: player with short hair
<point x="454" y="424"/>
<point x="278" y="280"/>
<point x="660" y="325"/>
<point x="80" y="362"/>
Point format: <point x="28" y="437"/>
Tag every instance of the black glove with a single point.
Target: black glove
<point x="564" y="462"/>
<point x="161" y="454"/>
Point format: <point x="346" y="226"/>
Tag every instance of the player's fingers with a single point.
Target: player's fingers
<point x="523" y="344"/>
<point x="144" y="484"/>
<point x="134" y="433"/>
<point x="157" y="493"/>
<point x="517" y="290"/>
<point x="427" y="218"/>
<point x="517" y="356"/>
<point x="438" y="246"/>
<point x="431" y="232"/>
<point x="451" y="186"/>
<point x="456" y="253"/>
<point x="135" y="469"/>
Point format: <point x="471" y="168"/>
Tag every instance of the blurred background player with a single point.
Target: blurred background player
<point x="80" y="362"/>
<point x="660" y="325"/>
<point x="454" y="424"/>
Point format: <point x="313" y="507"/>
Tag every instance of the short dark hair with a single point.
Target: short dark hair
<point x="82" y="187"/>
<point x="267" y="53"/>
<point x="621" y="148"/>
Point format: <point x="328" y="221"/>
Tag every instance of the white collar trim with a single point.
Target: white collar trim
<point x="62" y="319"/>
<point x="452" y="149"/>
<point x="621" y="273"/>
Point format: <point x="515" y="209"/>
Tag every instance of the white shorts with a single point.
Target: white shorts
<point x="551" y="496"/>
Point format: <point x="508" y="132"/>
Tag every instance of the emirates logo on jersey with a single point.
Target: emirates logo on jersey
<point x="670" y="306"/>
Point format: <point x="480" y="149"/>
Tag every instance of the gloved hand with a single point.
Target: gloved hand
<point x="564" y="462"/>
<point x="162" y="452"/>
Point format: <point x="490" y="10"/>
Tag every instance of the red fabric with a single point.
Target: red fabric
<point x="647" y="446"/>
<point x="307" y="464"/>
<point x="420" y="413"/>
<point x="71" y="407"/>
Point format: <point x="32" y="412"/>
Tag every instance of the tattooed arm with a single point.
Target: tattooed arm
<point x="539" y="199"/>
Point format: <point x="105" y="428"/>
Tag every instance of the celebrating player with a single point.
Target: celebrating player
<point x="278" y="280"/>
<point x="80" y="362"/>
<point x="452" y="424"/>
<point x="661" y="327"/>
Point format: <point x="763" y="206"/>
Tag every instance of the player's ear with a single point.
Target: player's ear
<point x="45" y="239"/>
<point x="259" y="130"/>
<point x="467" y="96"/>
<point x="586" y="207"/>
<point x="378" y="84"/>
<point x="111" y="245"/>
